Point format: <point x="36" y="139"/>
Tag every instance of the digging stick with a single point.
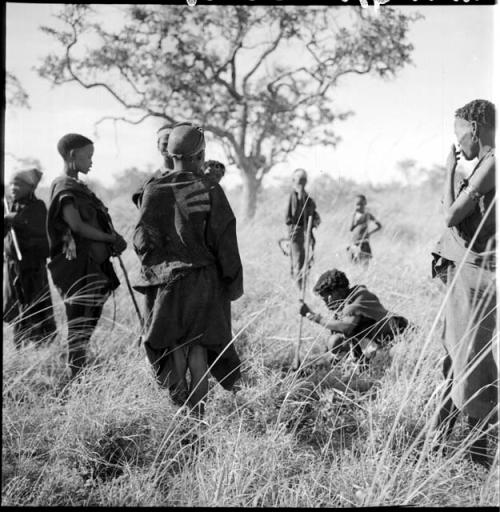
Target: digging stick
<point x="129" y="287"/>
<point x="131" y="292"/>
<point x="13" y="233"/>
<point x="305" y="268"/>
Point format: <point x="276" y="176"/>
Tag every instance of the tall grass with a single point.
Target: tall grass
<point x="324" y="436"/>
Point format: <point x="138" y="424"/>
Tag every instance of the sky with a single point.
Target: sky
<point x="409" y="117"/>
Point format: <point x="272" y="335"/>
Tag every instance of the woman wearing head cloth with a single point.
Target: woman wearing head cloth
<point x="27" y="303"/>
<point x="465" y="260"/>
<point x="81" y="241"/>
<point x="191" y="270"/>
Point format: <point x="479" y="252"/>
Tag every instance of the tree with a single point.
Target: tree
<point x="259" y="79"/>
<point x="15" y="95"/>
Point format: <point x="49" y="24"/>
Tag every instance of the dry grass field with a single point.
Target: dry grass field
<point x="313" y="438"/>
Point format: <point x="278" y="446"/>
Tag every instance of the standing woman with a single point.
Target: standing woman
<point x="81" y="242"/>
<point x="27" y="303"/>
<point x="465" y="260"/>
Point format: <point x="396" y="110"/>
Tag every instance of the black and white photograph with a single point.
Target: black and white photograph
<point x="249" y="254"/>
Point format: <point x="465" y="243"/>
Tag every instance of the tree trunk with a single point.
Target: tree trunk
<point x="251" y="186"/>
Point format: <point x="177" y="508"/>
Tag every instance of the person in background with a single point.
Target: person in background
<point x="465" y="260"/>
<point x="161" y="141"/>
<point x="360" y="250"/>
<point x="26" y="294"/>
<point x="191" y="270"/>
<point x="359" y="322"/>
<point x="81" y="242"/>
<point x="300" y="207"/>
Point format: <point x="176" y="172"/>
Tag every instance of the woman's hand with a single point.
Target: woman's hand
<point x="8" y="218"/>
<point x="69" y="245"/>
<point x="304" y="309"/>
<point x="119" y="244"/>
<point x="452" y="160"/>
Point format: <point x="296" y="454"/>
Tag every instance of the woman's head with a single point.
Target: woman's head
<point x="77" y="152"/>
<point x="333" y="287"/>
<point x="360" y="201"/>
<point x="162" y="141"/>
<point x="24" y="182"/>
<point x="299" y="178"/>
<point x="474" y="126"/>
<point x="186" y="145"/>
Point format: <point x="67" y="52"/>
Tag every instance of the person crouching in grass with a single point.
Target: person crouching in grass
<point x="360" y="323"/>
<point x="26" y="294"/>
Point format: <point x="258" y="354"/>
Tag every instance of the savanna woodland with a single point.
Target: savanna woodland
<point x="328" y="434"/>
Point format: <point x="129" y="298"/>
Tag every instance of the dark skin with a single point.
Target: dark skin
<point x="80" y="161"/>
<point x="19" y="190"/>
<point x="475" y="141"/>
<point x="299" y="182"/>
<point x="193" y="164"/>
<point x="162" y="144"/>
<point x="333" y="300"/>
<point x="360" y="209"/>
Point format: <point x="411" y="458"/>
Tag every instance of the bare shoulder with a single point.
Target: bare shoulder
<point x="483" y="180"/>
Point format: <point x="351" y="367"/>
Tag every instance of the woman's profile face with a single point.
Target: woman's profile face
<point x="83" y="158"/>
<point x="334" y="298"/>
<point x="19" y="189"/>
<point x="162" y="143"/>
<point x="463" y="133"/>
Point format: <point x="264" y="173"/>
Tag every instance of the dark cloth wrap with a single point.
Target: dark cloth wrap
<point x="186" y="241"/>
<point x="91" y="271"/>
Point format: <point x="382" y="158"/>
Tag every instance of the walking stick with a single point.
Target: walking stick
<point x="13" y="233"/>
<point x="296" y="358"/>
<point x="132" y="296"/>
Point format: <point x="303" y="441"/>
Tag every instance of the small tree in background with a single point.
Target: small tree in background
<point x="15" y="95"/>
<point x="260" y="79"/>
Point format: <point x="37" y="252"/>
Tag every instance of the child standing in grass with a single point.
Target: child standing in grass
<point x="360" y="250"/>
<point x="26" y="294"/>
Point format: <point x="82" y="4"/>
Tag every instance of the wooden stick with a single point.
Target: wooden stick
<point x="131" y="291"/>
<point x="13" y="233"/>
<point x="305" y="268"/>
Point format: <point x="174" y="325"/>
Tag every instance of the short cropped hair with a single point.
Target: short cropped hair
<point x="480" y="111"/>
<point x="71" y="141"/>
<point x="330" y="280"/>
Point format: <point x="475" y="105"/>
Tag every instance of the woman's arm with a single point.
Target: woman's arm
<point x="378" y="226"/>
<point x="449" y="183"/>
<point x="483" y="180"/>
<point x="345" y="326"/>
<point x="72" y="217"/>
<point x="353" y="223"/>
